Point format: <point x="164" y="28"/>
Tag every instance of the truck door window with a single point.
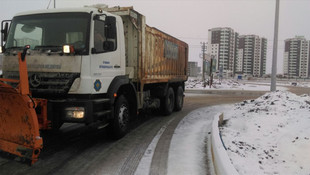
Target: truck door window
<point x="101" y="42"/>
<point x="99" y="36"/>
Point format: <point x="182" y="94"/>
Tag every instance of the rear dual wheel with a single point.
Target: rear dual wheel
<point x="179" y="99"/>
<point x="173" y="100"/>
<point x="167" y="102"/>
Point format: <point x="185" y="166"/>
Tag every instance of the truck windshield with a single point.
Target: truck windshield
<point x="50" y="32"/>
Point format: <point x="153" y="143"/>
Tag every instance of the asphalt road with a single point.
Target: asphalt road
<point x="77" y="149"/>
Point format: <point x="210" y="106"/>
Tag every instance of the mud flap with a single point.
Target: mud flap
<point x="19" y="127"/>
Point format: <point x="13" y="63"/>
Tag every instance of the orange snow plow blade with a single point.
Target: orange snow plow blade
<point x="19" y="126"/>
<point x="19" y="129"/>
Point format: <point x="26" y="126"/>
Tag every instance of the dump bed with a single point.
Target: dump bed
<point x="152" y="56"/>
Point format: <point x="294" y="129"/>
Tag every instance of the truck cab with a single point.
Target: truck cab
<point x="74" y="56"/>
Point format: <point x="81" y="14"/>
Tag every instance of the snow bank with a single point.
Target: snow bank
<point x="269" y="135"/>
<point x="198" y="84"/>
<point x="229" y="84"/>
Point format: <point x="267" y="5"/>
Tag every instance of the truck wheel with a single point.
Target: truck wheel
<point x="120" y="123"/>
<point x="168" y="102"/>
<point x="179" y="99"/>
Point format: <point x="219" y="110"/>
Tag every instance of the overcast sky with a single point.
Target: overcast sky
<point x="189" y="20"/>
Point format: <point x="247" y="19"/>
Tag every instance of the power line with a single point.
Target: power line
<point x="195" y="38"/>
<point x="49" y="3"/>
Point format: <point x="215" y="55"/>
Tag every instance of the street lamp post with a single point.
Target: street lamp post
<point x="275" y="49"/>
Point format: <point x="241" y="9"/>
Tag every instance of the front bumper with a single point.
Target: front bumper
<point x="79" y="110"/>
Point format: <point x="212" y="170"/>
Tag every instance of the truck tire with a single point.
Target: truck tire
<point x="167" y="103"/>
<point x="120" y="123"/>
<point x="179" y="99"/>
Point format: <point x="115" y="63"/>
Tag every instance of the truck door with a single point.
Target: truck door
<point x="106" y="55"/>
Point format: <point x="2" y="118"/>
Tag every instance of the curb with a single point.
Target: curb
<point x="221" y="162"/>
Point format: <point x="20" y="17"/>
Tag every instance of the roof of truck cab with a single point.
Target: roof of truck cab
<point x="62" y="10"/>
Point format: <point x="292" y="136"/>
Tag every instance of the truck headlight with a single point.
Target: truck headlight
<point x="75" y="112"/>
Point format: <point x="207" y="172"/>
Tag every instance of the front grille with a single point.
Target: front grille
<point x="44" y="84"/>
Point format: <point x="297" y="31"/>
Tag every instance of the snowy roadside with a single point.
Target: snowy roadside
<point x="188" y="153"/>
<point x="230" y="84"/>
<point x="269" y="135"/>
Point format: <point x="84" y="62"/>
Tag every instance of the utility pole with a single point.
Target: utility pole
<point x="275" y="49"/>
<point x="211" y="75"/>
<point x="203" y="63"/>
<point x="54" y="4"/>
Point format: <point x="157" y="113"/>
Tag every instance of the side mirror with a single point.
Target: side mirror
<point x="110" y="27"/>
<point x="5" y="31"/>
<point x="4" y="34"/>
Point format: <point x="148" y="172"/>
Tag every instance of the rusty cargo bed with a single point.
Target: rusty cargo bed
<point x="152" y="56"/>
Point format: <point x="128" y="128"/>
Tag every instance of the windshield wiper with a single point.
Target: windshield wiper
<point x="15" y="48"/>
<point x="48" y="47"/>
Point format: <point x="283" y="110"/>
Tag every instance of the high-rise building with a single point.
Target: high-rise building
<point x="252" y="53"/>
<point x="192" y="69"/>
<point x="296" y="57"/>
<point x="222" y="46"/>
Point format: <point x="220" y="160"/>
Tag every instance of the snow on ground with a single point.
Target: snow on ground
<point x="269" y="135"/>
<point x="255" y="85"/>
<point x="188" y="148"/>
<point x="229" y="84"/>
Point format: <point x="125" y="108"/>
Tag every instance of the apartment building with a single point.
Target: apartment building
<point x="296" y="57"/>
<point x="222" y="46"/>
<point x="252" y="54"/>
<point x="193" y="69"/>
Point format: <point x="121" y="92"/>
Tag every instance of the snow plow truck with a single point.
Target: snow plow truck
<point x="84" y="65"/>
